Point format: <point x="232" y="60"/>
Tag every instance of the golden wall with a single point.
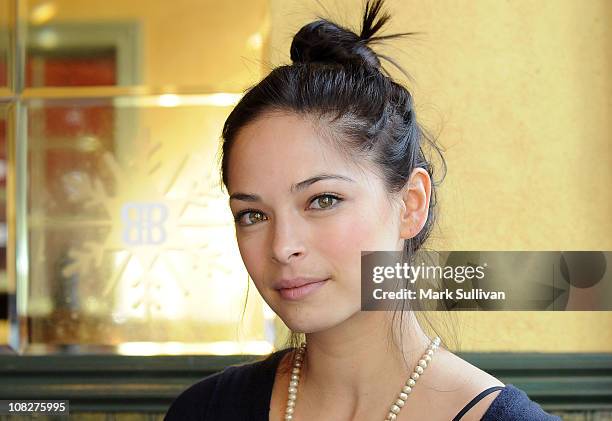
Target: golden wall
<point x="519" y="95"/>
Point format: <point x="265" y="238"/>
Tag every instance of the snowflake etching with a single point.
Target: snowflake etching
<point x="160" y="218"/>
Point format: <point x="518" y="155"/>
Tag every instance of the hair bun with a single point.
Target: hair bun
<point x="326" y="42"/>
<point x="323" y="41"/>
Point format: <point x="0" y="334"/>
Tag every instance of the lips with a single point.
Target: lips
<point x="301" y="287"/>
<point x="297" y="282"/>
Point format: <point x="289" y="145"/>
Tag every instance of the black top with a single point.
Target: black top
<point x="243" y="392"/>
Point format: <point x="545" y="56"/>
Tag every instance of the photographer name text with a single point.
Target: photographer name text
<point x="432" y="294"/>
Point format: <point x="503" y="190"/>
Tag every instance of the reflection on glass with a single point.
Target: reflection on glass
<point x="155" y="44"/>
<point x="131" y="238"/>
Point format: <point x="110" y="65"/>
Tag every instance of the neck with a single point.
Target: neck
<point x="357" y="362"/>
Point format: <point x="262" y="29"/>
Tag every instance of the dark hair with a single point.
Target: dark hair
<point x="337" y="80"/>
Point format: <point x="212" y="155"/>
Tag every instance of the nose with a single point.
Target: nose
<point x="287" y="244"/>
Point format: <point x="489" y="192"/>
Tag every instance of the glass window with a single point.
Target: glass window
<point x="119" y="43"/>
<point x="124" y="241"/>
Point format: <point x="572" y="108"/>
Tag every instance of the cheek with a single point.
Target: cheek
<point x="251" y="251"/>
<point x="353" y="233"/>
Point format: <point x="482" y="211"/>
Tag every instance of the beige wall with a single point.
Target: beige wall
<point x="519" y="93"/>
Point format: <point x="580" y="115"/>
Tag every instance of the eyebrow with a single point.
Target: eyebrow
<point x="246" y="197"/>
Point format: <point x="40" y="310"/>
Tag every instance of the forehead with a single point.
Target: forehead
<point x="282" y="147"/>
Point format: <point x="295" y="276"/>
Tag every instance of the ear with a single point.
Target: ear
<point x="415" y="203"/>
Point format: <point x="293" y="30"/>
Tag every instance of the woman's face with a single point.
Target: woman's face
<point x="305" y="213"/>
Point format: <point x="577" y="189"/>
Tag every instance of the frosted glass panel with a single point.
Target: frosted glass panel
<point x="131" y="240"/>
<point x="121" y="237"/>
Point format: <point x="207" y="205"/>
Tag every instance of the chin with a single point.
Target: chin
<point x="317" y="323"/>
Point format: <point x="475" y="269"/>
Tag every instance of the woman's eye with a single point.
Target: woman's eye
<point x="325" y="201"/>
<point x="252" y="217"/>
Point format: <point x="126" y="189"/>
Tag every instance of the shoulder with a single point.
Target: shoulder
<point x="463" y="383"/>
<point x="504" y="402"/>
<point x="514" y="404"/>
<point x="231" y="392"/>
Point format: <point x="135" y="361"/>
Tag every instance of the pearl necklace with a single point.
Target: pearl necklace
<point x="399" y="402"/>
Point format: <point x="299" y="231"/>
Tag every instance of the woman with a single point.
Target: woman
<point x="322" y="160"/>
